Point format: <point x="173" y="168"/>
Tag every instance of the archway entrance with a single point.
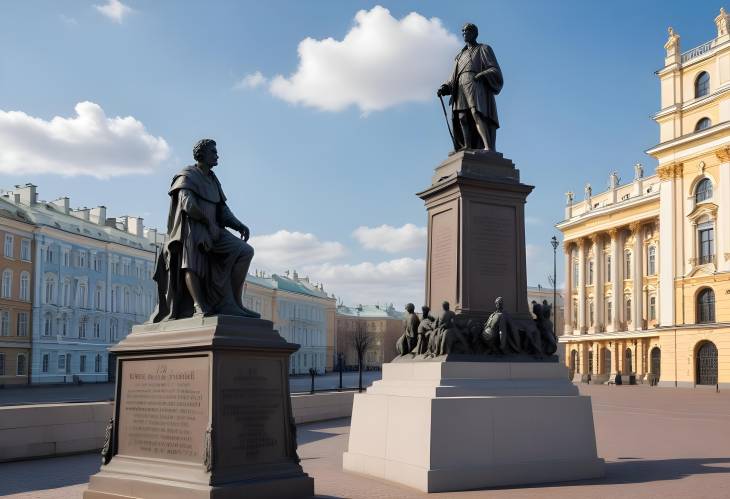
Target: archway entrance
<point x="707" y="364"/>
<point x="656" y="362"/>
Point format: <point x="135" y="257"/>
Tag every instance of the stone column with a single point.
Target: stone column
<point x="583" y="357"/>
<point x="639" y="362"/>
<point x="568" y="297"/>
<point x="616" y="285"/>
<point x="581" y="286"/>
<point x="637" y="304"/>
<point x="668" y="196"/>
<point x="598" y="272"/>
<point x="596" y="359"/>
<point x="722" y="225"/>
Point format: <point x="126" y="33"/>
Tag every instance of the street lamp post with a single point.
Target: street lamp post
<point x="554" y="243"/>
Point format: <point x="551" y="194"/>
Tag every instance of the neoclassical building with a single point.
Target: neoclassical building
<point x="648" y="263"/>
<point x="92" y="281"/>
<point x="302" y="312"/>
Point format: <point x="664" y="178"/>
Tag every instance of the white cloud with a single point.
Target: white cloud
<point x="251" y="80"/>
<point x="68" y="20"/>
<point x="391" y="239"/>
<point x="381" y="62"/>
<point x="114" y="10"/>
<point x="396" y="281"/>
<point x="291" y="250"/>
<point x="89" y="143"/>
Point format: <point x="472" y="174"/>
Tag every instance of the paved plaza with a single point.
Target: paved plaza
<point x="658" y="443"/>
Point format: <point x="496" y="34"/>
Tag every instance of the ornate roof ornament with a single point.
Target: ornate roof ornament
<point x="672" y="45"/>
<point x="722" y="21"/>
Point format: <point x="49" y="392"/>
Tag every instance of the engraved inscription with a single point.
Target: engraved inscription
<point x="163" y="408"/>
<point x="252" y="405"/>
<point x="492" y="251"/>
<point x="443" y="258"/>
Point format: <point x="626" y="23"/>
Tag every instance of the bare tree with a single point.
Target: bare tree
<point x="361" y="341"/>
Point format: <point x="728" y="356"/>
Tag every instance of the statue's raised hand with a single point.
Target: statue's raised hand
<point x="245" y="232"/>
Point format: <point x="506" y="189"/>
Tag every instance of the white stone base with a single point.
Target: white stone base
<point x="447" y="426"/>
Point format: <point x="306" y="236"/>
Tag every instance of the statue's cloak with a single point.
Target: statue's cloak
<point x="188" y="246"/>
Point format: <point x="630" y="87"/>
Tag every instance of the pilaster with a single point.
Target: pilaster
<point x="616" y="284"/>
<point x="569" y="285"/>
<point x="581" y="286"/>
<point x="668" y="234"/>
<point x="637" y="230"/>
<point x="598" y="294"/>
<point x="723" y="212"/>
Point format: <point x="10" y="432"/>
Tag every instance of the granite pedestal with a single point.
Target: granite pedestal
<point x="476" y="235"/>
<point x="202" y="411"/>
<point x="448" y="426"/>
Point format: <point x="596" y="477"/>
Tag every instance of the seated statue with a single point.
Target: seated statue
<point x="451" y="336"/>
<point x="407" y="342"/>
<point x="202" y="267"/>
<point x="548" y="341"/>
<point x="425" y="331"/>
<point x="499" y="333"/>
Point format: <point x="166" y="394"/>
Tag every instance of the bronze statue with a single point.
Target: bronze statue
<point x="407" y="342"/>
<point x="474" y="82"/>
<point x="202" y="267"/>
<point x="500" y="326"/>
<point x="425" y="331"/>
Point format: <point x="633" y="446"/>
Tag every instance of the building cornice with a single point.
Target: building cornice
<point x="669" y="171"/>
<point x="606" y="210"/>
<point x="685" y="139"/>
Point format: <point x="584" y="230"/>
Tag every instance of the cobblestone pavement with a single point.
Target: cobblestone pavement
<point x="93" y="392"/>
<point x="658" y="443"/>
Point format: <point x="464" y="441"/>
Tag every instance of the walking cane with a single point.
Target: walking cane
<point x="446" y="117"/>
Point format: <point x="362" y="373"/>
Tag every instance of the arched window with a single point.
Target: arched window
<point x="651" y="263"/>
<point x="48" y="325"/>
<point x="7" y="283"/>
<point x="703" y="191"/>
<point x="606" y="361"/>
<point x="50" y="290"/>
<point x="706" y="363"/>
<point x="702" y="84"/>
<point x="656" y="361"/>
<point x="25" y="286"/>
<point x="628" y="365"/>
<point x="67" y="293"/>
<point x="703" y="124"/>
<point x="706" y="306"/>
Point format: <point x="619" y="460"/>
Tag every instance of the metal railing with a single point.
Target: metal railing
<point x="697" y="51"/>
<point x="704" y="259"/>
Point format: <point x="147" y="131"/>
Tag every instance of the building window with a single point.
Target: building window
<point x="97" y="329"/>
<point x="21" y="366"/>
<point x="651" y="266"/>
<point x="576" y="272"/>
<point x="2" y="364"/>
<point x="7" y="283"/>
<point x="627" y="265"/>
<point x="113" y="329"/>
<point x="25" y="286"/>
<point x="48" y="325"/>
<point x="82" y="259"/>
<point x="61" y="362"/>
<point x="25" y="249"/>
<point x="82" y="327"/>
<point x="49" y="255"/>
<point x="703" y="191"/>
<point x="702" y="85"/>
<point x="703" y="124"/>
<point x="97" y="263"/>
<point x="22" y="325"/>
<point x="628" y="310"/>
<point x="575" y="313"/>
<point x="82" y="363"/>
<point x="652" y="308"/>
<point x="64" y="325"/>
<point x="50" y="290"/>
<point x="67" y="293"/>
<point x="4" y="323"/>
<point x="127" y="301"/>
<point x="45" y="363"/>
<point x="706" y="241"/>
<point x="591" y="310"/>
<point x="628" y="367"/>
<point x="98" y="298"/>
<point x="82" y="296"/>
<point x="66" y="258"/>
<point x="97" y="363"/>
<point x="590" y="272"/>
<point x="608" y="268"/>
<point x="609" y="311"/>
<point x="706" y="306"/>
<point x="8" y="245"/>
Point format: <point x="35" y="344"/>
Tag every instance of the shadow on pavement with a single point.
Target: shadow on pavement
<point x="313" y="432"/>
<point x="51" y="473"/>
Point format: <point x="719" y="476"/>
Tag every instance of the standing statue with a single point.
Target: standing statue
<point x="202" y="267"/>
<point x="474" y="82"/>
<point x="407" y="342"/>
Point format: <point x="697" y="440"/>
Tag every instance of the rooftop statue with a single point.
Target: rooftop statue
<point x="473" y="83"/>
<point x="203" y="266"/>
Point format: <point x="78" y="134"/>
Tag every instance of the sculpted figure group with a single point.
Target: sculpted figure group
<point x="428" y="337"/>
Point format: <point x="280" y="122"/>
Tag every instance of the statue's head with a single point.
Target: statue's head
<point x="425" y="310"/>
<point x="445" y="305"/>
<point x="499" y="303"/>
<point x="410" y="307"/>
<point x="470" y="32"/>
<point x="206" y="152"/>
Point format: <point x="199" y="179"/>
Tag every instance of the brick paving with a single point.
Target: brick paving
<point x="658" y="443"/>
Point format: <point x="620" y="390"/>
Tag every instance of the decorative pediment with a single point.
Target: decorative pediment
<point x="709" y="209"/>
<point x="707" y="269"/>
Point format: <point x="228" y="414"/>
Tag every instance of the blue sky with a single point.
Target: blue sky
<point x="578" y="96"/>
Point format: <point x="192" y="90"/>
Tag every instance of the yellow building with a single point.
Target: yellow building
<point x="648" y="263"/>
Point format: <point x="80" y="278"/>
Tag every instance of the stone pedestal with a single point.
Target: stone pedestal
<point x="447" y="426"/>
<point x="476" y="235"/>
<point x="202" y="411"/>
